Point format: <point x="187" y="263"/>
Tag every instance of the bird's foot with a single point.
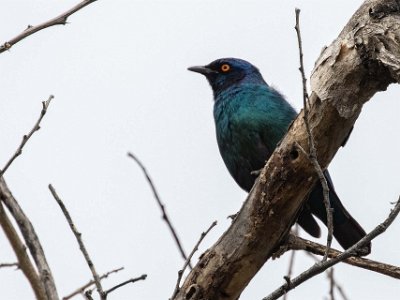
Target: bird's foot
<point x="364" y="251"/>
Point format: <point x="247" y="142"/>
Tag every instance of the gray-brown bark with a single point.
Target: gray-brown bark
<point x="23" y="259"/>
<point x="363" y="60"/>
<point x="297" y="243"/>
<point x="31" y="240"/>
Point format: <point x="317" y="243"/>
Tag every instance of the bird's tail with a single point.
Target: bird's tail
<point x="346" y="229"/>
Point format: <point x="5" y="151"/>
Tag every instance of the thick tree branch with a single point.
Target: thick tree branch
<point x="31" y="240"/>
<point x="363" y="60"/>
<point x="60" y="20"/>
<point x="24" y="261"/>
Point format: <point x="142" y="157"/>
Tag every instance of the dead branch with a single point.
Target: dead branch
<point x="341" y="291"/>
<point x="132" y="280"/>
<point x="363" y="60"/>
<point x="331" y="283"/>
<point x="8" y="265"/>
<point x="82" y="247"/>
<point x="25" y="138"/>
<point x="324" y="265"/>
<point x="31" y="240"/>
<point x="24" y="261"/>
<point x="298" y="243"/>
<point x="162" y="207"/>
<point x="196" y="247"/>
<point x="291" y="260"/>
<point x="60" y="20"/>
<point x="81" y="289"/>
<point x="330" y="276"/>
<point x="311" y="144"/>
<point x="96" y="278"/>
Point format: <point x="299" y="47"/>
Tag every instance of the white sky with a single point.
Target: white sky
<point x="118" y="73"/>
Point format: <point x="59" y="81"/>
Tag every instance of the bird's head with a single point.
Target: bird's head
<point x="226" y="72"/>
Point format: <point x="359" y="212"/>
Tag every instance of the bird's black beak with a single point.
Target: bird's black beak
<point x="202" y="70"/>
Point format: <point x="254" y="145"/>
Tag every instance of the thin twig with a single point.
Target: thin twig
<point x="313" y="151"/>
<point x="341" y="291"/>
<point x="332" y="284"/>
<point x="162" y="207"/>
<point x="31" y="240"/>
<point x="196" y="247"/>
<point x="323" y="265"/>
<point x="89" y="284"/>
<point x="9" y="265"/>
<point x="25" y="138"/>
<point x="329" y="274"/>
<point x="78" y="237"/>
<point x="24" y="261"/>
<point x="132" y="280"/>
<point x="291" y="260"/>
<point x="60" y="20"/>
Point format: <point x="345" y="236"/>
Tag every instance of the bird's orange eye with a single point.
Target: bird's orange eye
<point x="225" y="68"/>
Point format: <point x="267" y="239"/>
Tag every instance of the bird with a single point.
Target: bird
<point x="251" y="118"/>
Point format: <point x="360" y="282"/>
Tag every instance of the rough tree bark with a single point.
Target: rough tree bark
<point x="363" y="60"/>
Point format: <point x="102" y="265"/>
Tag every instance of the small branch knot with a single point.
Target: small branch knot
<point x="193" y="292"/>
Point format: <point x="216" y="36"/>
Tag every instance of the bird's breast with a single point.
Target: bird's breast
<point x="240" y="143"/>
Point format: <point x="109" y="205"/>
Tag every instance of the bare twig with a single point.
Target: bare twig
<point x="24" y="261"/>
<point x="196" y="247"/>
<point x="88" y="295"/>
<point x="291" y="260"/>
<point x="23" y="222"/>
<point x="82" y="247"/>
<point x="60" y="20"/>
<point x="329" y="273"/>
<point x="341" y="291"/>
<point x="298" y="243"/>
<point x="8" y="265"/>
<point x="132" y="280"/>
<point x="31" y="240"/>
<point x="323" y="265"/>
<point x="332" y="284"/>
<point x="82" y="289"/>
<point x="162" y="207"/>
<point x="313" y="151"/>
<point x="25" y="138"/>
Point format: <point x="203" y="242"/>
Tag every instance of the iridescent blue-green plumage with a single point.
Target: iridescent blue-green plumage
<point x="248" y="129"/>
<point x="250" y="119"/>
